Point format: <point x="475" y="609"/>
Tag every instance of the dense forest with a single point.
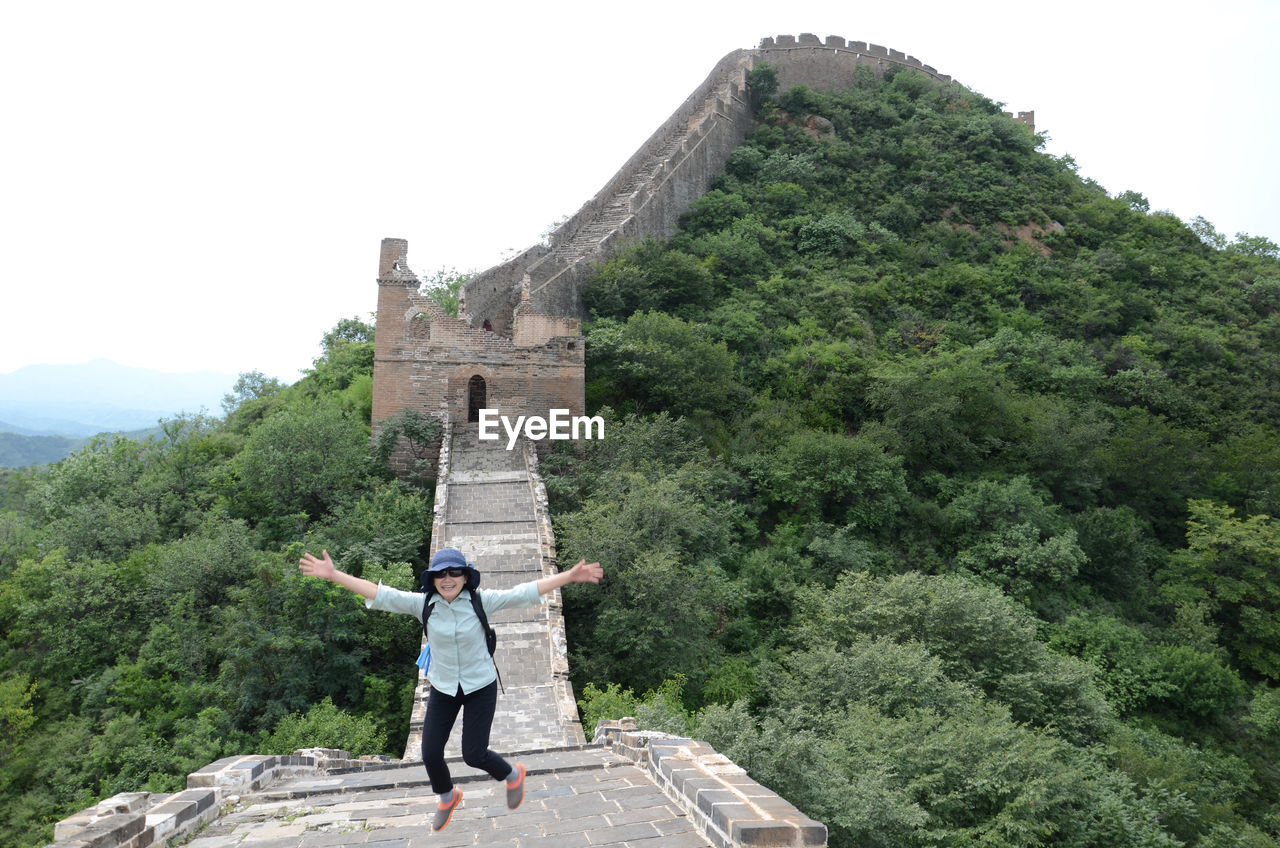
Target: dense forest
<point x="957" y="478"/>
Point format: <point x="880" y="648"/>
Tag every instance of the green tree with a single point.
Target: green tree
<point x="762" y="80"/>
<point x="345" y="364"/>
<point x="305" y="459"/>
<point x="250" y="386"/>
<point x="287" y="643"/>
<point x="1230" y="564"/>
<point x="948" y="411"/>
<point x="648" y="277"/>
<point x="658" y="362"/>
<point x="1006" y="532"/>
<point x="1254" y="246"/>
<point x="185" y="461"/>
<point x="981" y="637"/>
<point x="444" y="287"/>
<point x="16" y="713"/>
<point x="390" y="524"/>
<point x="416" y="434"/>
<point x="90" y="504"/>
<point x="1152" y="675"/>
<point x="969" y="775"/>
<point x="813" y="476"/>
<point x="67" y="619"/>
<point x="664" y="545"/>
<point x="325" y="726"/>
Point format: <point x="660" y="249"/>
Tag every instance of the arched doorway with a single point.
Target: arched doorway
<point x="475" y="397"/>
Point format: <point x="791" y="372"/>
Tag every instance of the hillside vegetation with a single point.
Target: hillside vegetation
<point x="151" y="613"/>
<point x="940" y="487"/>
<point x="939" y="492"/>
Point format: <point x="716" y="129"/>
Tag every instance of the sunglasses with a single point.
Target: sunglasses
<point x="452" y="572"/>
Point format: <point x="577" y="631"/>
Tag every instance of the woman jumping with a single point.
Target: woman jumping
<point x="461" y="672"/>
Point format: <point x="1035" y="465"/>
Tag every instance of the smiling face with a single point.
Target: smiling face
<point x="449" y="582"/>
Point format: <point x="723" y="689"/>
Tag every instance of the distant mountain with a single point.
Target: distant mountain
<point x="6" y="427"/>
<point x="23" y="451"/>
<point x="102" y="396"/>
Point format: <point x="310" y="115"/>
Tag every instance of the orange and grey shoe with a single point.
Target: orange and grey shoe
<point x="515" y="791"/>
<point x="444" y="812"/>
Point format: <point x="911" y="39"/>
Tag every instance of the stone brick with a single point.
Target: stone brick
<point x="763" y="833"/>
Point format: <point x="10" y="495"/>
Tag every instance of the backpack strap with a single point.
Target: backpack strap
<point x="490" y="635"/>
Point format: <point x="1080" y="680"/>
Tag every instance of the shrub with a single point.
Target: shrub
<point x="325" y="726"/>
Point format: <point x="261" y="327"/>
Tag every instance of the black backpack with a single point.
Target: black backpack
<point x="473" y="585"/>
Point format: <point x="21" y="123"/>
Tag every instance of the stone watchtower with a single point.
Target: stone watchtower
<point x="448" y="369"/>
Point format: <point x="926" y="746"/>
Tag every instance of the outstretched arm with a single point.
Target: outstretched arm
<point x="583" y="572"/>
<point x="325" y="570"/>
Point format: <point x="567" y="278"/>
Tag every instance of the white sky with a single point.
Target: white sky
<point x="204" y="186"/>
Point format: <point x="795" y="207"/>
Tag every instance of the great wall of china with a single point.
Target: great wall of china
<point x="674" y="167"/>
<point x="518" y="319"/>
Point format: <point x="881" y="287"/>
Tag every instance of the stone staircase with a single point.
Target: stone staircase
<point x="645" y="197"/>
<point x="490" y="504"/>
<point x="586" y="241"/>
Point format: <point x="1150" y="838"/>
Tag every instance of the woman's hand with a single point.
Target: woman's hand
<point x="586" y="572"/>
<point x="583" y="572"/>
<point x="324" y="568"/>
<point x="313" y="567"/>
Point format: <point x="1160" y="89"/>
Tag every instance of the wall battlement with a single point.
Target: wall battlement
<point x="861" y="50"/>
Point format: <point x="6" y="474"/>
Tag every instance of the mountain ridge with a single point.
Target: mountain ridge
<point x="101" y="395"/>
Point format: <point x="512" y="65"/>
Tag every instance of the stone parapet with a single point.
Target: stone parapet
<point x="116" y="822"/>
<point x="627" y="785"/>
<point x="141" y="819"/>
<point x="728" y="807"/>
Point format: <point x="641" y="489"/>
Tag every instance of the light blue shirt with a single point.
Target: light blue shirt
<point x="459" y="656"/>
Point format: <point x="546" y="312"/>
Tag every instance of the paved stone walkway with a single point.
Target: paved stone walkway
<point x="487" y="507"/>
<point x="586" y="796"/>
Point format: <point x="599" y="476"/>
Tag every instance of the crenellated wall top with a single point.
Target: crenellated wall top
<point x="809" y="41"/>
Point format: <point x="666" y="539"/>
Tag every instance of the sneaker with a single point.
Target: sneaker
<point x="515" y="791"/>
<point x="444" y="812"/>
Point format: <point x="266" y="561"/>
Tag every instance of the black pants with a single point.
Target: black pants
<point x="477" y="719"/>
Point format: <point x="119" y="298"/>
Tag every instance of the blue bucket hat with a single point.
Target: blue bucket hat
<point x="450" y="558"/>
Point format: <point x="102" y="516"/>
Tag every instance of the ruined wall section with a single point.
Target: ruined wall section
<point x="424" y="359"/>
<point x="676" y="166"/>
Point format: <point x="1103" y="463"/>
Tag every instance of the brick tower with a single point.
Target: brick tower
<point x="448" y="369"/>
